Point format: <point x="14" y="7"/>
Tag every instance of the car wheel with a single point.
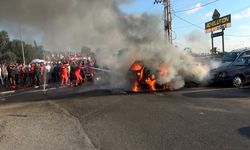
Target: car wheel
<point x="238" y="81"/>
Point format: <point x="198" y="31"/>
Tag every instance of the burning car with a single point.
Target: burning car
<point x="143" y="79"/>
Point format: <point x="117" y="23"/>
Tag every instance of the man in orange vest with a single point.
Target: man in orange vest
<point x="64" y="74"/>
<point x="78" y="76"/>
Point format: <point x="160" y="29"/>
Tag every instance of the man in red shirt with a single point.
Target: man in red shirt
<point x="64" y="74"/>
<point x="42" y="70"/>
<point x="78" y="76"/>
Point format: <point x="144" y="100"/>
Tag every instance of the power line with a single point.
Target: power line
<point x="202" y="5"/>
<point x="174" y="12"/>
<point x="195" y="25"/>
<point x="240" y="9"/>
<point x="199" y="27"/>
<point x="174" y="35"/>
<point x="186" y="6"/>
<point x="235" y="35"/>
<point x="182" y="27"/>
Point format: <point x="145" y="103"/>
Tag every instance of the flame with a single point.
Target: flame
<point x="136" y="87"/>
<point x="142" y="80"/>
<point x="137" y="66"/>
<point x="151" y="83"/>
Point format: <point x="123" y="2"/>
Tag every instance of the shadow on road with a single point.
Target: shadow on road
<point x="245" y="131"/>
<point x="220" y="93"/>
<point x="63" y="93"/>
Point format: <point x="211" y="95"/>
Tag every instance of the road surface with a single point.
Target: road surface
<point x="197" y="118"/>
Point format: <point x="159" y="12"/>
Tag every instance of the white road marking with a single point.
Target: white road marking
<point x="26" y="92"/>
<point x="158" y="94"/>
<point x="204" y="90"/>
<point x="2" y="99"/>
<point x="7" y="92"/>
<point x="209" y="109"/>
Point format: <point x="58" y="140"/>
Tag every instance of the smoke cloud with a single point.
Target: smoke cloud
<point x="118" y="39"/>
<point x="199" y="41"/>
<point x="73" y="23"/>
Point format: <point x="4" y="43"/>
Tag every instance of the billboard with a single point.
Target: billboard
<point x="217" y="24"/>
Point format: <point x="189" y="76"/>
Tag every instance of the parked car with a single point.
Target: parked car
<point x="230" y="57"/>
<point x="237" y="73"/>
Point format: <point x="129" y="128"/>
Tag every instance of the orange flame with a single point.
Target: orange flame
<point x="136" y="87"/>
<point x="136" y="66"/>
<point x="151" y="82"/>
<point x="140" y="77"/>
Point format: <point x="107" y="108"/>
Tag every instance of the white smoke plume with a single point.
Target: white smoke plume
<point x="181" y="66"/>
<point x="119" y="38"/>
<point x="199" y="41"/>
<point x="74" y="23"/>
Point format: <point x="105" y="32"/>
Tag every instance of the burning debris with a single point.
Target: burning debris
<point x="143" y="79"/>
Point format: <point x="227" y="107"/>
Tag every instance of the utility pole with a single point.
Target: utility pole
<point x="167" y="20"/>
<point x="22" y="46"/>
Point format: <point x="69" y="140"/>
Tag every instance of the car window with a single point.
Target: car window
<point x="247" y="53"/>
<point x="230" y="56"/>
<point x="243" y="61"/>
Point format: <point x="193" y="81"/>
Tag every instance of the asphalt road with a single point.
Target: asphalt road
<point x="199" y="118"/>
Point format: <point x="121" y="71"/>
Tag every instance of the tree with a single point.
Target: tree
<point x="8" y="57"/>
<point x="4" y="40"/>
<point x="30" y="51"/>
<point x="13" y="48"/>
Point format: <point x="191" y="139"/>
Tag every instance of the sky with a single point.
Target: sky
<point x="238" y="35"/>
<point x="77" y="20"/>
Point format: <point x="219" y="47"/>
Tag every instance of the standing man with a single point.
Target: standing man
<point x="56" y="72"/>
<point x="78" y="76"/>
<point x="16" y="70"/>
<point x="72" y="73"/>
<point x="1" y="75"/>
<point x="64" y="74"/>
<point x="32" y="75"/>
<point x="37" y="73"/>
<point x="69" y="70"/>
<point x="42" y="66"/>
<point x="5" y="74"/>
<point x="48" y="73"/>
<point x="11" y="76"/>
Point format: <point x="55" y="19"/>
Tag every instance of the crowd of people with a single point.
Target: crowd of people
<point x="64" y="73"/>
